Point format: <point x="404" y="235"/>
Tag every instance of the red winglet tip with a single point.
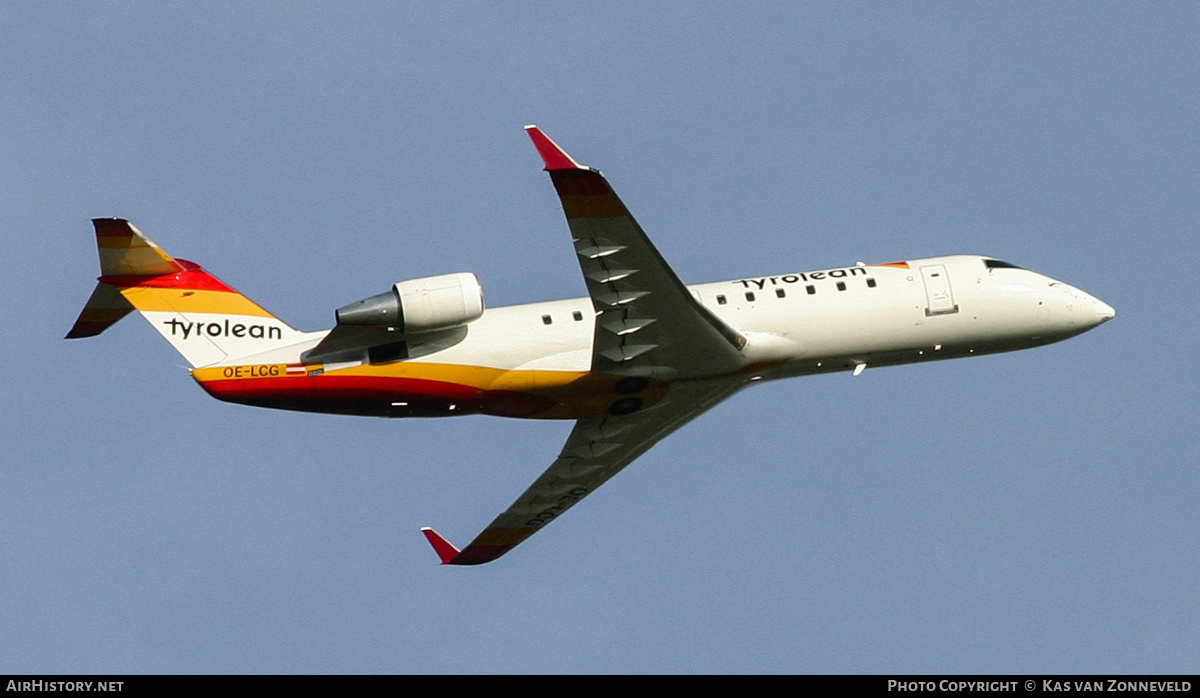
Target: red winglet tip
<point x="552" y="154"/>
<point x="441" y="546"/>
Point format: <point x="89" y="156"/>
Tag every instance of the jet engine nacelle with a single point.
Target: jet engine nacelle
<point x="420" y="305"/>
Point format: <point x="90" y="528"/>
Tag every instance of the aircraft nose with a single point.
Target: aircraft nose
<point x="1083" y="310"/>
<point x="1104" y="311"/>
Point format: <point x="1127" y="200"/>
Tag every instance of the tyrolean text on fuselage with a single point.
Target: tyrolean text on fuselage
<point x="797" y="278"/>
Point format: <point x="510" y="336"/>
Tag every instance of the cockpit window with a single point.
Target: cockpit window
<point x="997" y="264"/>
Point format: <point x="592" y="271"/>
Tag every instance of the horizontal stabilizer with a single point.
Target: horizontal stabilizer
<point x="104" y="308"/>
<point x="126" y="251"/>
<point x="126" y="256"/>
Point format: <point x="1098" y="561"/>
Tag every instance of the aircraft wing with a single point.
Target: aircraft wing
<point x="647" y="322"/>
<point x="648" y="325"/>
<point x="596" y="450"/>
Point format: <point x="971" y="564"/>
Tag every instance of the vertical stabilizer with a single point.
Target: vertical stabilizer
<point x="205" y="320"/>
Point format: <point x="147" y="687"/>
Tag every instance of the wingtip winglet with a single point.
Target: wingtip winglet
<point x="552" y="154"/>
<point x="441" y="546"/>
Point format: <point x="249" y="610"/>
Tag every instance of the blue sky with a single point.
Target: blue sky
<point x="1029" y="512"/>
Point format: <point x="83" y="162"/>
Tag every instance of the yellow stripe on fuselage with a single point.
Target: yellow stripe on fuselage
<point x="578" y="394"/>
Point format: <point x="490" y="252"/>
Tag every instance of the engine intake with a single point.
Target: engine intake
<point x="420" y="305"/>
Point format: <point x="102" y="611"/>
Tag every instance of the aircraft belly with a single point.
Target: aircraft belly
<point x="423" y="390"/>
<point x="380" y="396"/>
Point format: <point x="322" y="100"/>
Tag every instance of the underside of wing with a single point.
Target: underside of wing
<point x="596" y="450"/>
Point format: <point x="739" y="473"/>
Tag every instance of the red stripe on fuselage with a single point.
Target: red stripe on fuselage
<point x="375" y="396"/>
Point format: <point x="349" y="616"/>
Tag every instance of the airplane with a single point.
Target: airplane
<point x="642" y="355"/>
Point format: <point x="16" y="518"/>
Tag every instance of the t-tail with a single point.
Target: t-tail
<point x="205" y="320"/>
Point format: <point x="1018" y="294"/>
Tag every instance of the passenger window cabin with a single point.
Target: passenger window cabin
<point x="811" y="289"/>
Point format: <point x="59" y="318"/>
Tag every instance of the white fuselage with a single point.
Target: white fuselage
<point x="812" y="322"/>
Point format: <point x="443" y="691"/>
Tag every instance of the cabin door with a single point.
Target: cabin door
<point x="938" y="295"/>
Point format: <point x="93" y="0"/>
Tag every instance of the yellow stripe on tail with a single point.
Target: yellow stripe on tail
<point x="208" y="322"/>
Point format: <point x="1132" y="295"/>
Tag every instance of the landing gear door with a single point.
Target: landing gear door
<point x="938" y="294"/>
